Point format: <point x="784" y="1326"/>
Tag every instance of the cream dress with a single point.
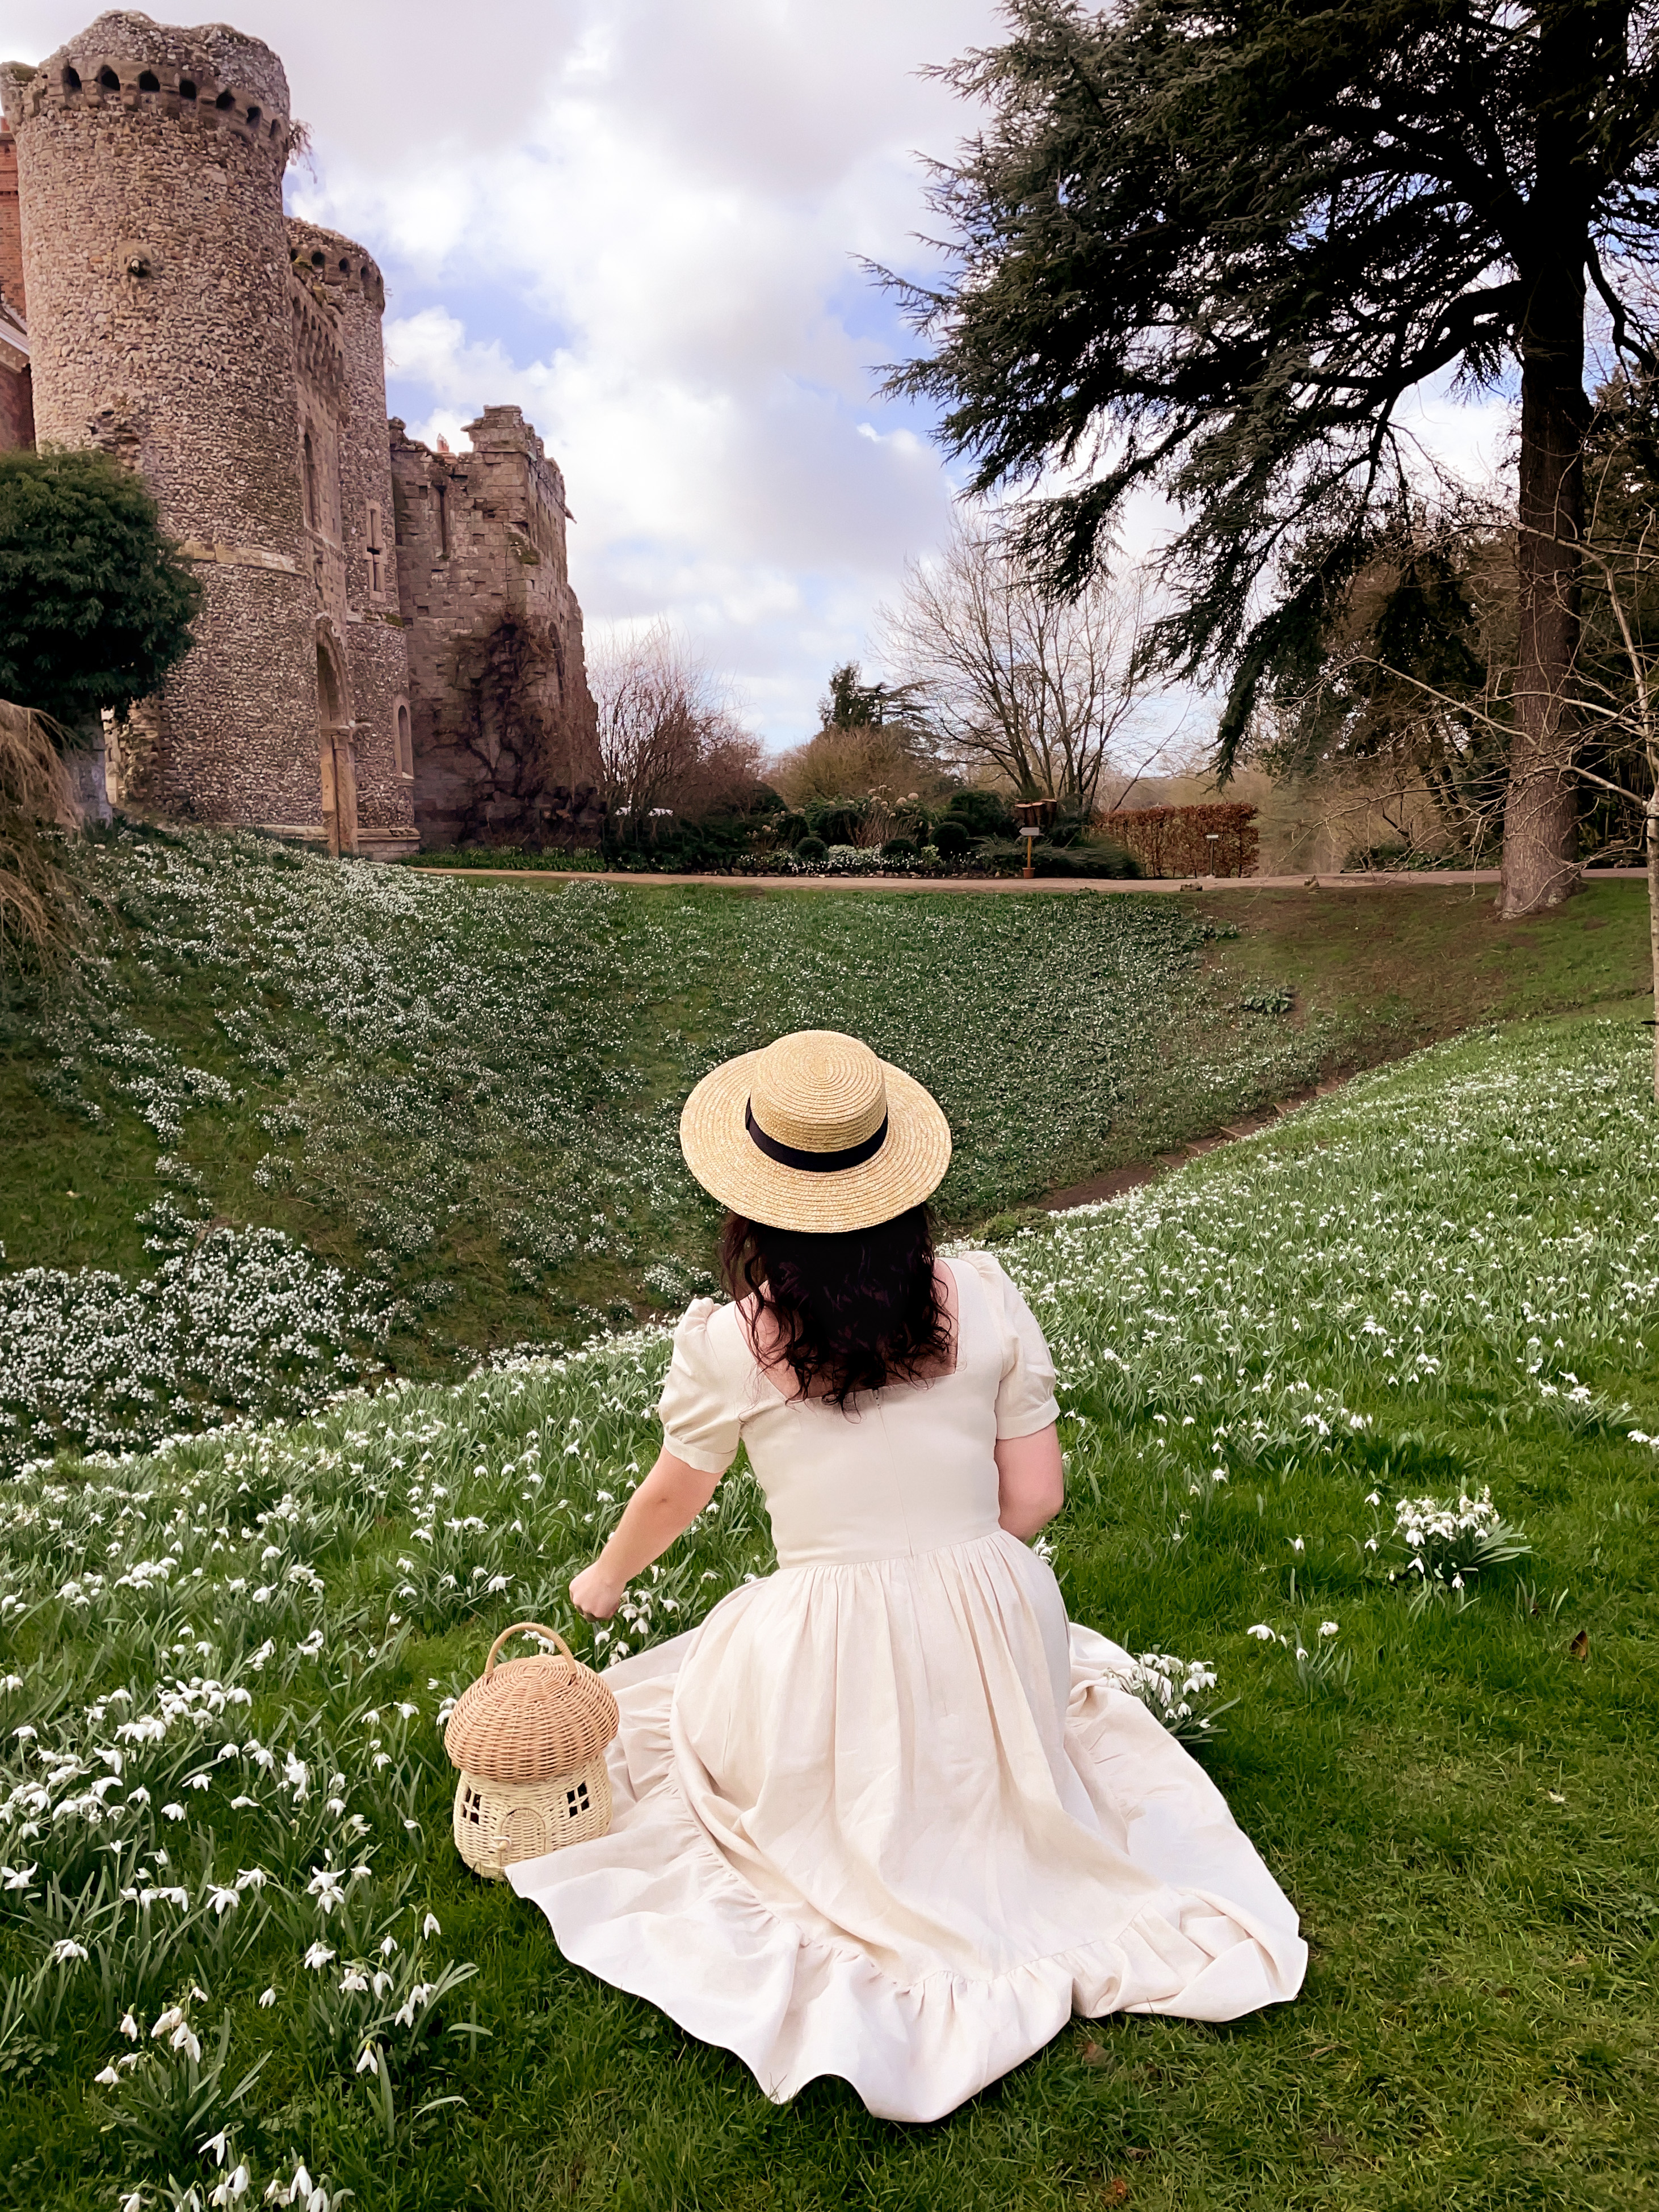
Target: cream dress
<point x="886" y="1814"/>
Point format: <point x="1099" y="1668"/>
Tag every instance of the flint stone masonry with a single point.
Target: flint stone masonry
<point x="156" y="300"/>
<point x="506" y="746"/>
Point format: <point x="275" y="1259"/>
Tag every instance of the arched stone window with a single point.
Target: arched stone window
<point x="405" y="745"/>
<point x="376" y="551"/>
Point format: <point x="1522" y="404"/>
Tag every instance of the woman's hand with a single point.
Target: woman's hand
<point x="595" y="1594"/>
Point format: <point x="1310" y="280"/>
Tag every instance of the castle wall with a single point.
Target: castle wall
<point x="364" y="601"/>
<point x="504" y="728"/>
<point x="388" y="636"/>
<point x="156" y="267"/>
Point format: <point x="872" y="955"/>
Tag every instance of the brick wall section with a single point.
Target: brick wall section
<point x="505" y="739"/>
<point x="338" y="272"/>
<point x="12" y="288"/>
<point x="151" y="339"/>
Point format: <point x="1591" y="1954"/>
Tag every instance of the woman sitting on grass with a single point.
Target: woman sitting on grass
<point x="885" y="1814"/>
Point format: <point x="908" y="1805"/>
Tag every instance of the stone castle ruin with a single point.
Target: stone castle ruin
<point x="389" y="653"/>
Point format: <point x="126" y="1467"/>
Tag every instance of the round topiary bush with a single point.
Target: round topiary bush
<point x="952" y="839"/>
<point x="899" y="848"/>
<point x="811" y="849"/>
<point x="982" y="813"/>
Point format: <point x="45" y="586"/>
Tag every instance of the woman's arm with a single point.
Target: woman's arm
<point x="663" y="1506"/>
<point x="1031" y="1482"/>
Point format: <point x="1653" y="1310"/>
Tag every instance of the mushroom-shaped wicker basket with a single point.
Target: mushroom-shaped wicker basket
<point x="529" y="1738"/>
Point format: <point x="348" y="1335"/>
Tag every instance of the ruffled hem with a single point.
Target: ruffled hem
<point x="654" y="1908"/>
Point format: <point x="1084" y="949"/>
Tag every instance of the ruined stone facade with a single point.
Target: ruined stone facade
<point x="344" y="686"/>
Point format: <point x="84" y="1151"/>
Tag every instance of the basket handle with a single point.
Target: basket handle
<point x="521" y="1628"/>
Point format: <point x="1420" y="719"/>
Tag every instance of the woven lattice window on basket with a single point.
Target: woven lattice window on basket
<point x="529" y="1740"/>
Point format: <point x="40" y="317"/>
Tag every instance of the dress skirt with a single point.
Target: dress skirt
<point x="896" y="1822"/>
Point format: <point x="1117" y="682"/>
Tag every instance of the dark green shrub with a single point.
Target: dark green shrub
<point x="952" y="838"/>
<point x="811" y="849"/>
<point x="837" y="821"/>
<point x="1100" y="860"/>
<point x="982" y="814"/>
<point x="95" y="604"/>
<point x="899" y="848"/>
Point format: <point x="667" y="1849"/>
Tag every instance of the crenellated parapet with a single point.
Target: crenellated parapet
<point x="212" y="79"/>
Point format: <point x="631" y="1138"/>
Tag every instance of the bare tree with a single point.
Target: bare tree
<point x="668" y="742"/>
<point x="1034" y="688"/>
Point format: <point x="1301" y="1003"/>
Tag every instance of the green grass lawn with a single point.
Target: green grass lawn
<point x="303" y="1120"/>
<point x="1443" y="1277"/>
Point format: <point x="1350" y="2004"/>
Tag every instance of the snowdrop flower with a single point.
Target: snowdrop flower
<point x="1328" y="1628"/>
<point x="1296" y="1544"/>
<point x="388" y="1945"/>
<point x="129" y="2028"/>
<point x="216" y="2145"/>
<point x="251" y="1877"/>
<point x="329" y="1890"/>
<point x="172" y="1812"/>
<point x="318" y="1956"/>
<point x="109" y="2079"/>
<point x="369" y="2062"/>
<point x="429" y="1925"/>
<point x="233" y="2185"/>
<point x="184" y="2040"/>
<point x="134" y="2202"/>
<point x="267" y="1998"/>
<point x="1261" y="1633"/>
<point x="222" y="1900"/>
<point x="66" y="1949"/>
<point x="17" y="1877"/>
<point x="1372" y="1497"/>
<point x="353" y="1981"/>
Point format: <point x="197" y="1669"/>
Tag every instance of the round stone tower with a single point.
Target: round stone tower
<point x="157" y="268"/>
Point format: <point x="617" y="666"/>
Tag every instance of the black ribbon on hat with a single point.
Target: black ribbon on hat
<point x="791" y="1155"/>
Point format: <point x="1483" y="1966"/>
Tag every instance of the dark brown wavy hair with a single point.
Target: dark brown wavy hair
<point x="855" y="1311"/>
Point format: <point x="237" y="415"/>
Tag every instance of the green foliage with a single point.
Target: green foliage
<point x="96" y="606"/>
<point x="848" y="704"/>
<point x="811" y="847"/>
<point x="1213" y="251"/>
<point x="1098" y="859"/>
<point x="982" y="813"/>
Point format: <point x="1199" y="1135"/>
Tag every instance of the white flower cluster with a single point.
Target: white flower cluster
<point x="1450" y="1541"/>
<point x="1180" y="1691"/>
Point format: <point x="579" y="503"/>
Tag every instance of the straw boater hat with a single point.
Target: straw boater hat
<point x="814" y="1132"/>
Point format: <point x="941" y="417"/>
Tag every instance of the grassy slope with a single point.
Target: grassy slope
<point x="1373" y="1295"/>
<point x="1090" y="995"/>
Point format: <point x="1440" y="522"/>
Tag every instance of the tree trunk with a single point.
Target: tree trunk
<point x="1541" y="816"/>
<point x="1653" y="913"/>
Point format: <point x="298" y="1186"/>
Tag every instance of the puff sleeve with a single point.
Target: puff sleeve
<point x="701" y="1417"/>
<point x="1026" y="1395"/>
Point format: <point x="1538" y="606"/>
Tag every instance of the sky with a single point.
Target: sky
<point x="643" y="221"/>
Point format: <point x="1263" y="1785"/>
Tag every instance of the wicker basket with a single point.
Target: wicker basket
<point x="529" y="1740"/>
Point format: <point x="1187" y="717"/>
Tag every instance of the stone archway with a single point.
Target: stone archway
<point x="338" y="755"/>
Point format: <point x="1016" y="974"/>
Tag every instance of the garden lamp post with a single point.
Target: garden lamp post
<point x="1210" y="837"/>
